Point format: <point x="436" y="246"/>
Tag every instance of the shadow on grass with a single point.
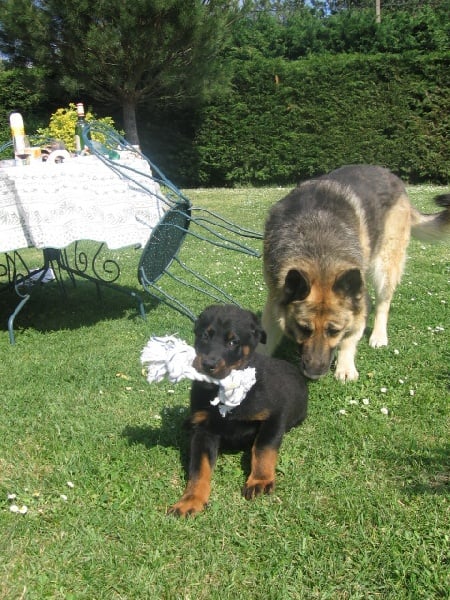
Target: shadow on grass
<point x="174" y="433"/>
<point x="422" y="470"/>
<point x="48" y="309"/>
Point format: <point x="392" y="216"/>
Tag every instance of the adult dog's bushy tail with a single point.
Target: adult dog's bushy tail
<point x="433" y="227"/>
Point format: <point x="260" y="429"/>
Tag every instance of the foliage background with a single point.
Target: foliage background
<point x="62" y="125"/>
<point x="298" y="89"/>
<point x="289" y="120"/>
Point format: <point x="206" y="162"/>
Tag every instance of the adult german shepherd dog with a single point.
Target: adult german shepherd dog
<point x="321" y="243"/>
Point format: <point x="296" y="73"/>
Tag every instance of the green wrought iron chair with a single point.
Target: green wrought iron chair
<point x="161" y="271"/>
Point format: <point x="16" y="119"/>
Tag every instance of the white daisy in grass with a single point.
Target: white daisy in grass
<point x="21" y="511"/>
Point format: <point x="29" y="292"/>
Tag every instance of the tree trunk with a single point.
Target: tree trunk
<point x="129" y="121"/>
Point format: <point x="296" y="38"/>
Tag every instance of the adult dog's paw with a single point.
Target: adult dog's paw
<point x="346" y="371"/>
<point x="378" y="339"/>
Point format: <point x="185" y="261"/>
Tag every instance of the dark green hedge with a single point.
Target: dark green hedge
<point x="285" y="120"/>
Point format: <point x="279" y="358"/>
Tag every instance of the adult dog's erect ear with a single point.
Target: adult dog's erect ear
<point x="257" y="330"/>
<point x="349" y="283"/>
<point x="262" y="336"/>
<point x="296" y="286"/>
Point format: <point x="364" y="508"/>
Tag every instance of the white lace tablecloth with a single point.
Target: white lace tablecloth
<point x="51" y="205"/>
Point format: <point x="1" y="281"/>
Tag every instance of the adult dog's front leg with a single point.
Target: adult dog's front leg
<point x="204" y="449"/>
<point x="345" y="364"/>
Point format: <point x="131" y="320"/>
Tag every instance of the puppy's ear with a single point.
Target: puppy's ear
<point x="349" y="283"/>
<point x="204" y="318"/>
<point x="296" y="286"/>
<point x="196" y="326"/>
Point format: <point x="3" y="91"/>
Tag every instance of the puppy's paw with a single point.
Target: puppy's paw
<point x="187" y="506"/>
<point x="257" y="487"/>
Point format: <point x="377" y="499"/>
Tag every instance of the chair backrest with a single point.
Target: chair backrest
<point x="181" y="220"/>
<point x="164" y="243"/>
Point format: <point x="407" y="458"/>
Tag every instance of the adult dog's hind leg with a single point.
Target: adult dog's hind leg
<point x="387" y="267"/>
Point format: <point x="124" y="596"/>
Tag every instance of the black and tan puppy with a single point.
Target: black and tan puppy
<point x="225" y="339"/>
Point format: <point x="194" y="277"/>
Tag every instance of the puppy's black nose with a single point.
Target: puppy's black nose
<point x="209" y="364"/>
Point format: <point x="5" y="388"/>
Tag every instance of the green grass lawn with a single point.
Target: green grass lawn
<point x="96" y="454"/>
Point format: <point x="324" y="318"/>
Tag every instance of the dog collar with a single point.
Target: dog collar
<point x="171" y="357"/>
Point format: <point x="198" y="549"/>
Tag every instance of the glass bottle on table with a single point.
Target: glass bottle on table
<point x="79" y="129"/>
<point x="21" y="142"/>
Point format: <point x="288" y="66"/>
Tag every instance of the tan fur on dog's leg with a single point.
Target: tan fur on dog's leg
<point x="387" y="269"/>
<point x="379" y="336"/>
<point x="345" y="364"/>
<point x="262" y="477"/>
<point x="197" y="492"/>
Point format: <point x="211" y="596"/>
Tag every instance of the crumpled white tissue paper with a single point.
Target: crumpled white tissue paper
<point x="171" y="357"/>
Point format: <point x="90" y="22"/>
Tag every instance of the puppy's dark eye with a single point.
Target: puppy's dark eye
<point x="233" y="342"/>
